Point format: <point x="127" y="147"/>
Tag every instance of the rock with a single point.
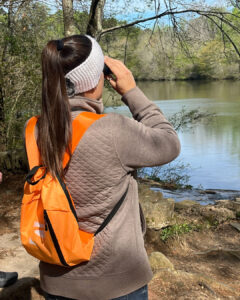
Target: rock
<point x="229" y="204"/>
<point x="145" y="193"/>
<point x="158" y="211"/>
<point x="216" y="214"/>
<point x="238" y="200"/>
<point x="159" y="215"/>
<point x="210" y="192"/>
<point x="236" y="206"/>
<point x="159" y="261"/>
<point x="223" y="253"/>
<point x="153" y="237"/>
<point x="181" y="285"/>
<point x="235" y="225"/>
<point x="186" y="204"/>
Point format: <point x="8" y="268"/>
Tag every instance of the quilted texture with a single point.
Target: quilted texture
<point x="91" y="184"/>
<point x="99" y="174"/>
<point x="92" y="181"/>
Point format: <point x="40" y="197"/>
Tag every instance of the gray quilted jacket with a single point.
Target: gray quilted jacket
<point x="100" y="171"/>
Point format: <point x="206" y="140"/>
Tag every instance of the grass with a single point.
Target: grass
<point x="179" y="229"/>
<point x="238" y="214"/>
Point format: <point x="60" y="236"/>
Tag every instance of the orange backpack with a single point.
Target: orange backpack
<point x="49" y="226"/>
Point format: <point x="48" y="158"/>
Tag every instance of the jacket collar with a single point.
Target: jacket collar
<point x="79" y="103"/>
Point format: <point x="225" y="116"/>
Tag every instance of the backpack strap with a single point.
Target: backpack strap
<point x="79" y="125"/>
<point x="33" y="153"/>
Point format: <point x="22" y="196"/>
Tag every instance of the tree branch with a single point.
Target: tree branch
<point x="224" y="20"/>
<point x="224" y="33"/>
<point x="169" y="12"/>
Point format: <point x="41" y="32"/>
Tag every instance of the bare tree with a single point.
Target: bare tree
<point x="69" y="26"/>
<point x="174" y="10"/>
<point x="94" y="27"/>
<point x="5" y="47"/>
<point x="18" y="78"/>
<point x="23" y="36"/>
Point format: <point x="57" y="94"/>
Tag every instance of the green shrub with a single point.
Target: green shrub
<point x="175" y="230"/>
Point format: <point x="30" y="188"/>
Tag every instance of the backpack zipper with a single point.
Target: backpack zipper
<point x="48" y="225"/>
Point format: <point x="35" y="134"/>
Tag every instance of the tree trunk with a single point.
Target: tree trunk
<point x="69" y="27"/>
<point x="3" y="66"/>
<point x="94" y="27"/>
<point x="126" y="47"/>
<point x="2" y="123"/>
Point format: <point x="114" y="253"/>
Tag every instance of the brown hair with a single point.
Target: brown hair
<point x="55" y="124"/>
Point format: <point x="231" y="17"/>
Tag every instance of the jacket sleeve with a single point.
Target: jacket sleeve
<point x="148" y="139"/>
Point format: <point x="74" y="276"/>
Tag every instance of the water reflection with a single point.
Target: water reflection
<point x="212" y="149"/>
<point x="225" y="90"/>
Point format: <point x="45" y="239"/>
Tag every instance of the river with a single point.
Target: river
<point x="212" y="149"/>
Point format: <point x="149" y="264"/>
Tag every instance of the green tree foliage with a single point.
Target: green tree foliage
<point x="24" y="31"/>
<point x="157" y="54"/>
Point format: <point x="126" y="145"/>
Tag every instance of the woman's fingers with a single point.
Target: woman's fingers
<point x="116" y="66"/>
<point x="124" y="79"/>
<point x="112" y="82"/>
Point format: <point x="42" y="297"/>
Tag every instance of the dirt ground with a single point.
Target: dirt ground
<point x="206" y="263"/>
<point x="207" y="266"/>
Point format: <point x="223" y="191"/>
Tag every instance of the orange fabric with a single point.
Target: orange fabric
<point x="31" y="144"/>
<point x="79" y="125"/>
<point x="83" y="121"/>
<point x="76" y="245"/>
<point x="49" y="197"/>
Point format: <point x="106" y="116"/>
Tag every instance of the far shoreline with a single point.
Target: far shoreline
<point x="210" y="79"/>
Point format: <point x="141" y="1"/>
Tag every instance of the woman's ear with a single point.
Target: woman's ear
<point x="88" y="93"/>
<point x="95" y="93"/>
<point x="70" y="88"/>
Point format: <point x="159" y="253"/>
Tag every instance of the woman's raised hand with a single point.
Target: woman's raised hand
<point x="124" y="80"/>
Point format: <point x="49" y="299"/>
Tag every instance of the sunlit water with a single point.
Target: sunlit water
<point x="212" y="149"/>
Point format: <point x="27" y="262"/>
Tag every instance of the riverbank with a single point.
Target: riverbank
<point x="197" y="265"/>
<point x="188" y="79"/>
<point x="194" y="250"/>
<point x="202" y="196"/>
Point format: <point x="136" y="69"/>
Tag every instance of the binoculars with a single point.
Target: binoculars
<point x="106" y="70"/>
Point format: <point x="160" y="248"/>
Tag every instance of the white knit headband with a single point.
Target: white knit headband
<point x="86" y="76"/>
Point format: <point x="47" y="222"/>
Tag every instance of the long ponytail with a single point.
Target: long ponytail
<point x="55" y="127"/>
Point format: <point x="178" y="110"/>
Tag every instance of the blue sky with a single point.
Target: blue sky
<point x="129" y="13"/>
<point x="122" y="11"/>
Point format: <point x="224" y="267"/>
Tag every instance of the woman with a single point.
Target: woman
<point x="101" y="168"/>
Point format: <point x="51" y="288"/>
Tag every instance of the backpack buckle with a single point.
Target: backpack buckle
<point x="31" y="174"/>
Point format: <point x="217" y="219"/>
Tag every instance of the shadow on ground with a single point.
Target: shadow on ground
<point x="27" y="288"/>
